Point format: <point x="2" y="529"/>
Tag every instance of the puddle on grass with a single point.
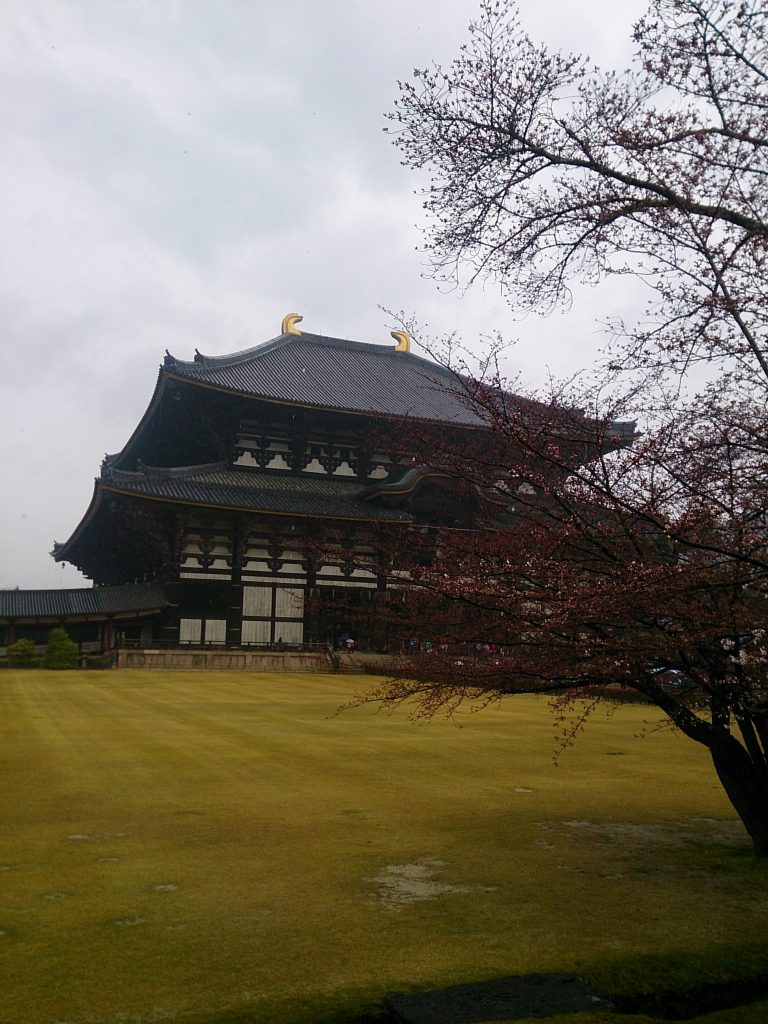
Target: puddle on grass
<point x="693" y="832"/>
<point x="56" y="897"/>
<point x="400" y="884"/>
<point x="130" y="922"/>
<point x="169" y="887"/>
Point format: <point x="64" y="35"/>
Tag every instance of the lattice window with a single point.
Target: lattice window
<point x="257" y="601"/>
<point x="289" y="632"/>
<point x="289" y="603"/>
<point x="190" y="631"/>
<point x="255" y="632"/>
<point x="215" y="631"/>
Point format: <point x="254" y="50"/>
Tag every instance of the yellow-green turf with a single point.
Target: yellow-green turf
<point x="223" y="848"/>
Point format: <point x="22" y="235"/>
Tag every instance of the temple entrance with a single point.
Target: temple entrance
<point x="273" y="615"/>
<point x="343" y="614"/>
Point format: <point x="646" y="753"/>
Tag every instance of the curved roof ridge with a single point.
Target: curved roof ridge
<point x="350" y="345"/>
<point x="230" y="358"/>
<point x="327" y="341"/>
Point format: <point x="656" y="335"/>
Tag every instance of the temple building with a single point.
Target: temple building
<point x="260" y="504"/>
<point x="244" y="508"/>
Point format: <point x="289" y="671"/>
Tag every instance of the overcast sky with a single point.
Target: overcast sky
<point x="180" y="174"/>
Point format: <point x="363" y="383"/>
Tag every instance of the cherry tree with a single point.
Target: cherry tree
<point x="594" y="564"/>
<point x="545" y="170"/>
<point x="597" y="559"/>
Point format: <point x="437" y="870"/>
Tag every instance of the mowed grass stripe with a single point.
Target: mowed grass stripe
<point x="186" y="842"/>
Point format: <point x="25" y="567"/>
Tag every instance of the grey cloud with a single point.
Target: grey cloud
<point x="181" y="175"/>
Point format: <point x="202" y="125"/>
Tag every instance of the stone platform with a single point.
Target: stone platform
<point x="221" y="659"/>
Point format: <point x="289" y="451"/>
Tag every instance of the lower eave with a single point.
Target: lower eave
<point x="250" y="509"/>
<point x="102" y="490"/>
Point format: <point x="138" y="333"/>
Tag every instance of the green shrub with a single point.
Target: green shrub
<point x="60" y="651"/>
<point x="22" y="654"/>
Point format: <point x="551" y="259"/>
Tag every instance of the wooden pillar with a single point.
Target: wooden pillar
<point x="381" y="625"/>
<point x="311" y="624"/>
<point x="235" y="599"/>
<point x="169" y="617"/>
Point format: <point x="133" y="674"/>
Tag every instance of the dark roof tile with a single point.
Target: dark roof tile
<point x="136" y="597"/>
<point x="231" y="487"/>
<point x="312" y="370"/>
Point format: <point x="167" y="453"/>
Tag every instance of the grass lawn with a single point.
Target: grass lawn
<point x="222" y="848"/>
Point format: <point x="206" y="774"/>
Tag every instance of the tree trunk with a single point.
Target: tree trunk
<point x="744" y="786"/>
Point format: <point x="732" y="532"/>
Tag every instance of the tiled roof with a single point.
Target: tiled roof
<point x="136" y="597"/>
<point x="231" y="487"/>
<point x="312" y="370"/>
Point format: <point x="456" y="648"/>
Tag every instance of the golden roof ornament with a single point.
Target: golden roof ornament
<point x="289" y="323"/>
<point x="403" y="341"/>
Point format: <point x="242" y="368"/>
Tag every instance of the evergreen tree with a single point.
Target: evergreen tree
<point x="60" y="651"/>
<point x="22" y="654"/>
